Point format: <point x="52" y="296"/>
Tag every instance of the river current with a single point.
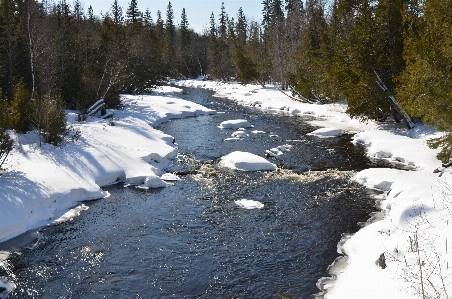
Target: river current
<point x="190" y="240"/>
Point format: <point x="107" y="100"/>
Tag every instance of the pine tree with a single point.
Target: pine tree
<point x="91" y="15"/>
<point x="147" y="19"/>
<point x="212" y="49"/>
<point x="133" y="14"/>
<point x="266" y="14"/>
<point x="241" y="27"/>
<point x="116" y="12"/>
<point x="223" y="23"/>
<point x="170" y="40"/>
<point x="184" y="32"/>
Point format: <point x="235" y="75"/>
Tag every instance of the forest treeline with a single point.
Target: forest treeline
<point x="385" y="58"/>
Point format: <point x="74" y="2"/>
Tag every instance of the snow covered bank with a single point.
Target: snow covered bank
<point x="270" y="98"/>
<point x="42" y="183"/>
<point x="407" y="254"/>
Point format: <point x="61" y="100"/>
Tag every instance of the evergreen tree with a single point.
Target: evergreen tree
<point x="20" y="109"/>
<point x="170" y="40"/>
<point x="48" y="118"/>
<point x="212" y="49"/>
<point x="133" y="14"/>
<point x="223" y="23"/>
<point x="116" y="12"/>
<point x="147" y="19"/>
<point x="91" y="15"/>
<point x="241" y="27"/>
<point x="266" y="14"/>
<point x="184" y="46"/>
<point x="184" y="32"/>
<point x="7" y="27"/>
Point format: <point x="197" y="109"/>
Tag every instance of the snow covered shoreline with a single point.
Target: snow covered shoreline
<point x="42" y="183"/>
<point x="393" y="257"/>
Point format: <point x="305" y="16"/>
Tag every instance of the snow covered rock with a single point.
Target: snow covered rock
<point x="326" y="132"/>
<point x="152" y="181"/>
<point x="239" y="134"/>
<point x="235" y="124"/>
<point x="232" y="139"/>
<point x="246" y="161"/>
<point x="170" y="177"/>
<point x="249" y="204"/>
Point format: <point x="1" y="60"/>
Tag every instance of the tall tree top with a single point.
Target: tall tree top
<point x="241" y="26"/>
<point x="266" y="13"/>
<point x="183" y="20"/>
<point x="223" y="22"/>
<point x="116" y="12"/>
<point x="213" y="26"/>
<point x="169" y="17"/>
<point x="133" y="14"/>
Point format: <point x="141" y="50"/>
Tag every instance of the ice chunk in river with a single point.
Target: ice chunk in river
<point x="246" y="161"/>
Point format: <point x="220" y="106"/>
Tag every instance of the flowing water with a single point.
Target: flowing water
<point x="191" y="240"/>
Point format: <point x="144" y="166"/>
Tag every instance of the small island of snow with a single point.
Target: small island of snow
<point x="246" y="162"/>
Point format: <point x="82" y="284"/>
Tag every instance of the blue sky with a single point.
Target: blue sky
<point x="198" y="11"/>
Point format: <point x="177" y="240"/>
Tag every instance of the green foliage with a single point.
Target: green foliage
<point x="49" y="119"/>
<point x="367" y="40"/>
<point x="424" y="86"/>
<point x="246" y="68"/>
<point x="20" y="109"/>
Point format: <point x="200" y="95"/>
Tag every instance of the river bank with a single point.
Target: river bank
<point x="42" y="183"/>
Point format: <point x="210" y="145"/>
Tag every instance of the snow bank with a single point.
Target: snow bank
<point x="42" y="183"/>
<point x="399" y="150"/>
<point x="246" y="162"/>
<point x="270" y="98"/>
<point x="412" y="235"/>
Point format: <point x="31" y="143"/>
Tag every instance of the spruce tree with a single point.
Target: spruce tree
<point x="133" y="14"/>
<point x="184" y="31"/>
<point x="116" y="12"/>
<point x="241" y="27"/>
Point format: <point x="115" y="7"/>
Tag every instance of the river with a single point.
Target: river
<point x="190" y="240"/>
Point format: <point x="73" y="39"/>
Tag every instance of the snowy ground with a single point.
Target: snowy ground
<point x="405" y="253"/>
<point x="42" y="183"/>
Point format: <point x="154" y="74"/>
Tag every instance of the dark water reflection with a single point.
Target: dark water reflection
<point x="191" y="240"/>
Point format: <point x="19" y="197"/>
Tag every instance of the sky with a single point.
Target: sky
<point x="198" y="11"/>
